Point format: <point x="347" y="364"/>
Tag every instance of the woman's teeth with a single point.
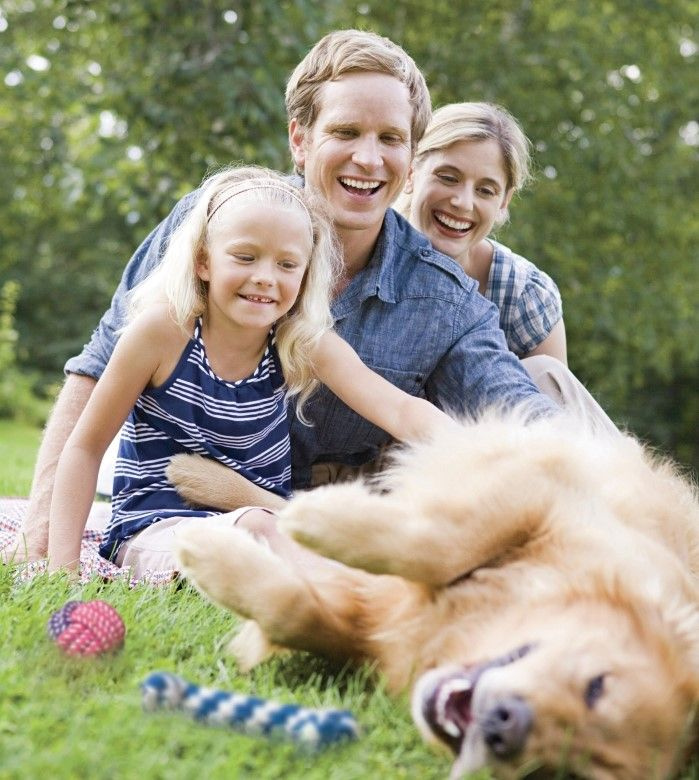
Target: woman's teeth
<point x="453" y="224"/>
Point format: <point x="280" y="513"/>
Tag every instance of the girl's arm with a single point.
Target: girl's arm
<point x="402" y="415"/>
<point x="134" y="363"/>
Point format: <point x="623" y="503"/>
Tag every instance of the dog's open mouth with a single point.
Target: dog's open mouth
<point x="446" y="708"/>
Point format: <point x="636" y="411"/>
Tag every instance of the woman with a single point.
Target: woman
<point x="471" y="160"/>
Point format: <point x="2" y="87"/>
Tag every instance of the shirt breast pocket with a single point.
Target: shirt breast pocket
<point x="345" y="433"/>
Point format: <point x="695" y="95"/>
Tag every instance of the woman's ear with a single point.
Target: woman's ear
<point x="297" y="138"/>
<point x="504" y="212"/>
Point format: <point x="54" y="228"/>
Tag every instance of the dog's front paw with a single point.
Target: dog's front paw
<point x="222" y="562"/>
<point x="344" y="522"/>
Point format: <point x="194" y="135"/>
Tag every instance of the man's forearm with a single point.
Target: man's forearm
<point x="72" y="399"/>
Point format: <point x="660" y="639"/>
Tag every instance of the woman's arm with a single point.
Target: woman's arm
<point x="554" y="344"/>
<point x="405" y="417"/>
<point x="134" y="362"/>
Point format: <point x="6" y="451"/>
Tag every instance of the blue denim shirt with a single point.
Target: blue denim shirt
<point x="411" y="314"/>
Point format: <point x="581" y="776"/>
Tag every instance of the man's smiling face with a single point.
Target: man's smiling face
<point x="357" y="153"/>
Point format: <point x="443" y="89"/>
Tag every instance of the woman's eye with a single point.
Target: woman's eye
<point x="446" y="178"/>
<point x="594" y="690"/>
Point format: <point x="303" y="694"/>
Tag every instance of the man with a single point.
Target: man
<point x="357" y="106"/>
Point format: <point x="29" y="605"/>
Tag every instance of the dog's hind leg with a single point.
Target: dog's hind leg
<point x="308" y="603"/>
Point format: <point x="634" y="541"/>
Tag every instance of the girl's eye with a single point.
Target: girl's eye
<point x="594" y="690"/>
<point x="287" y="265"/>
<point x="244" y="258"/>
<point x="487" y="192"/>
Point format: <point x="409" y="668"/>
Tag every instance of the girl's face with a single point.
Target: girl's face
<point x="458" y="193"/>
<point x="257" y="258"/>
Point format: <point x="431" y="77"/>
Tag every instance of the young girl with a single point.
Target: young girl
<point x="232" y="323"/>
<point x="471" y="160"/>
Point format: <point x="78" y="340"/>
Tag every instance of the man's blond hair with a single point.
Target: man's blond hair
<point x="347" y="51"/>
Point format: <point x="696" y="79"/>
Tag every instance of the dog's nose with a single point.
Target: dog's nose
<point x="506" y="726"/>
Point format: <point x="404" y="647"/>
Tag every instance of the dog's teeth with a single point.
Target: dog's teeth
<point x="448" y="689"/>
<point x="450" y="727"/>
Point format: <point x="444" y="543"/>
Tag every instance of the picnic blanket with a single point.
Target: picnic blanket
<point x="92" y="564"/>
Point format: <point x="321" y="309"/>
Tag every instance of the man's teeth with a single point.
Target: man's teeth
<point x="454" y="224"/>
<point x="358" y="184"/>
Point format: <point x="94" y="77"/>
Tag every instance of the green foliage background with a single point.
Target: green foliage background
<point x="110" y="110"/>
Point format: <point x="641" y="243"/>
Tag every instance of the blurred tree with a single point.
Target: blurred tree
<point x="111" y="111"/>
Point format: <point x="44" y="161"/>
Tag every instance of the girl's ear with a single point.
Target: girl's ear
<point x="297" y="137"/>
<point x="201" y="266"/>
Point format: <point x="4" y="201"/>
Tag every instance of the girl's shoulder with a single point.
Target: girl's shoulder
<point x="156" y="321"/>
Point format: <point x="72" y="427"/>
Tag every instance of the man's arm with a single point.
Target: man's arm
<point x="72" y="399"/>
<point x="479" y="371"/>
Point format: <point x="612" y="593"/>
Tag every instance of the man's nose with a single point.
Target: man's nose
<point x="367" y="153"/>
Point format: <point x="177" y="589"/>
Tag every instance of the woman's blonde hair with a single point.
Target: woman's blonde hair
<point x="475" y="122"/>
<point x="176" y="280"/>
<point x="355" y="51"/>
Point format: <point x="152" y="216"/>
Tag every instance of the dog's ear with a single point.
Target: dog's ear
<point x="683" y="619"/>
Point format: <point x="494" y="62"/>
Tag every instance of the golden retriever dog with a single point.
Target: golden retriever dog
<point x="535" y="585"/>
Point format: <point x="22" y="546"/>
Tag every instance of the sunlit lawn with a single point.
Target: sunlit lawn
<point x="18" y="446"/>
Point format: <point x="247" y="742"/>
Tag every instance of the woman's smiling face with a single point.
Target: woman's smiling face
<point x="458" y="193"/>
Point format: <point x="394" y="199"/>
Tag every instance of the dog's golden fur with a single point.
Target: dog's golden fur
<point x="537" y="586"/>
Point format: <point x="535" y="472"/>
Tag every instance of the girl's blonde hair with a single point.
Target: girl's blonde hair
<point x="176" y="280"/>
<point x="475" y="122"/>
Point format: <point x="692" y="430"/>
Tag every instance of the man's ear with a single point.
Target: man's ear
<point x="408" y="186"/>
<point x="297" y="138"/>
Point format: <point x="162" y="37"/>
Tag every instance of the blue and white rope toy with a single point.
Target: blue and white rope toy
<point x="312" y="728"/>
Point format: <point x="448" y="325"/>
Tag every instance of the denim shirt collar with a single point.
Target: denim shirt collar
<point x="377" y="278"/>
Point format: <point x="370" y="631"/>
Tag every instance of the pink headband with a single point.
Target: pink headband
<point x="258" y="184"/>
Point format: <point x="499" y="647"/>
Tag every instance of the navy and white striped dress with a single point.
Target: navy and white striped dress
<point x="242" y="424"/>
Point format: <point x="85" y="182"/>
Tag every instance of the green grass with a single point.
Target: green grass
<point x="77" y="718"/>
<point x="18" y="445"/>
